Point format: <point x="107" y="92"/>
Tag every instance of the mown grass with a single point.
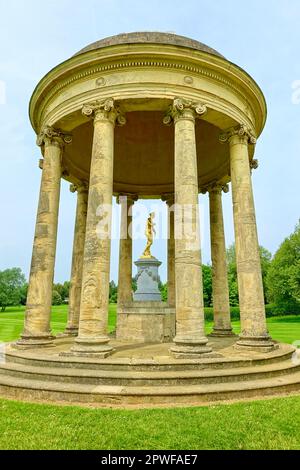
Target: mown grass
<point x="285" y="329"/>
<point x="271" y="424"/>
<point x="12" y="321"/>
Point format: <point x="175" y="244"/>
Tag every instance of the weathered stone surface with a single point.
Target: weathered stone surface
<point x="146" y="322"/>
<point x="125" y="254"/>
<point x="147" y="375"/>
<point x="190" y="335"/>
<point x="77" y="259"/>
<point x="150" y="37"/>
<point x="253" y="318"/>
<point x="222" y="322"/>
<point x="170" y="200"/>
<point x="147" y="281"/>
<point x="39" y="300"/>
<point x="93" y="326"/>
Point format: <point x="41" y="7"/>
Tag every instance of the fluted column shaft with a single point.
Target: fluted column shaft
<point x="93" y="325"/>
<point x="77" y="259"/>
<point x="222" y="322"/>
<point x="190" y="337"/>
<point x="125" y="255"/>
<point x="254" y="333"/>
<point x="171" y="249"/>
<point x="37" y="329"/>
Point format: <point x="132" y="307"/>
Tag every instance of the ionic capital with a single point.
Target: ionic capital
<point x="51" y="136"/>
<point x="184" y="109"/>
<point x="79" y="188"/>
<point x="254" y="164"/>
<point x="105" y="110"/>
<point x="216" y="188"/>
<point x="241" y="131"/>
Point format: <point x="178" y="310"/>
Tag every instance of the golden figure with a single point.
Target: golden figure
<point x="149" y="232"/>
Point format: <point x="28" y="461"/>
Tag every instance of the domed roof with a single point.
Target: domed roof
<point x="150" y="37"/>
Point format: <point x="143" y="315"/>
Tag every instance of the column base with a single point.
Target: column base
<point x="69" y="332"/>
<point x="222" y="333"/>
<point x="31" y="342"/>
<point x="263" y="344"/>
<point x="191" y="349"/>
<point x="91" y="347"/>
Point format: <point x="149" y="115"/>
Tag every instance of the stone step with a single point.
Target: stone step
<point x="149" y="377"/>
<point x="144" y="364"/>
<point x="20" y="388"/>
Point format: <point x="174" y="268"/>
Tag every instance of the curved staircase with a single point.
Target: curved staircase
<point x="147" y="376"/>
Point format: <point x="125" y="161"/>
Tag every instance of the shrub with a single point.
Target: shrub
<point x="56" y="298"/>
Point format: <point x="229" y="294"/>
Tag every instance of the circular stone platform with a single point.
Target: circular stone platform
<point x="147" y="375"/>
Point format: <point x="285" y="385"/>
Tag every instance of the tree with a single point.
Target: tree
<point x="265" y="259"/>
<point x="232" y="276"/>
<point x="24" y="291"/>
<point x="283" y="278"/>
<point x="134" y="283"/>
<point x="56" y="298"/>
<point x="207" y="285"/>
<point x="113" y="293"/>
<point x="63" y="290"/>
<point x="164" y="291"/>
<point x="11" y="284"/>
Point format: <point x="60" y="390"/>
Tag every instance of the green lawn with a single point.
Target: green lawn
<point x="271" y="424"/>
<point x="12" y="321"/>
<point x="284" y="329"/>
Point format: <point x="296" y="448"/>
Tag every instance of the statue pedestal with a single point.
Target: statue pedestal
<point x="146" y="322"/>
<point x="147" y="319"/>
<point x="147" y="280"/>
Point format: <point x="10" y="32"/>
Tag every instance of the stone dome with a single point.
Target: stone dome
<point x="150" y="37"/>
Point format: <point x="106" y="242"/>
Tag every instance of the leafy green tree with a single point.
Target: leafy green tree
<point x="265" y="259"/>
<point x="207" y="285"/>
<point x="24" y="291"/>
<point x="56" y="298"/>
<point x="113" y="293"/>
<point x="11" y="283"/>
<point x="63" y="290"/>
<point x="164" y="291"/>
<point x="283" y="278"/>
<point x="134" y="283"/>
<point x="232" y="276"/>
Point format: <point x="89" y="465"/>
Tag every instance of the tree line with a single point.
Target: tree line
<point x="280" y="273"/>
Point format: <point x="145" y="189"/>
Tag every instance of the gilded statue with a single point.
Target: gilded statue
<point x="149" y="232"/>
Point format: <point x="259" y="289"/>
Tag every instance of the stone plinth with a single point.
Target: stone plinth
<point x="147" y="280"/>
<point x="146" y="322"/>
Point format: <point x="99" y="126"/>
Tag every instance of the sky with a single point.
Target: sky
<point x="262" y="36"/>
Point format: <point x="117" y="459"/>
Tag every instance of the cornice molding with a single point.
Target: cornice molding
<point x="42" y="97"/>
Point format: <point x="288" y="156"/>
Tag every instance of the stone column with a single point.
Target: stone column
<point x="125" y="255"/>
<point x="171" y="249"/>
<point x="37" y="330"/>
<point x="222" y="322"/>
<point x="254" y="333"/>
<point x="93" y="336"/>
<point x="77" y="259"/>
<point x="190" y="340"/>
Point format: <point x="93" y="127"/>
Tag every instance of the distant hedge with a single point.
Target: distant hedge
<point x="271" y="311"/>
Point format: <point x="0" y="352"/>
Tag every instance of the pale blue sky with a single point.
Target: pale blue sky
<point x="261" y="36"/>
